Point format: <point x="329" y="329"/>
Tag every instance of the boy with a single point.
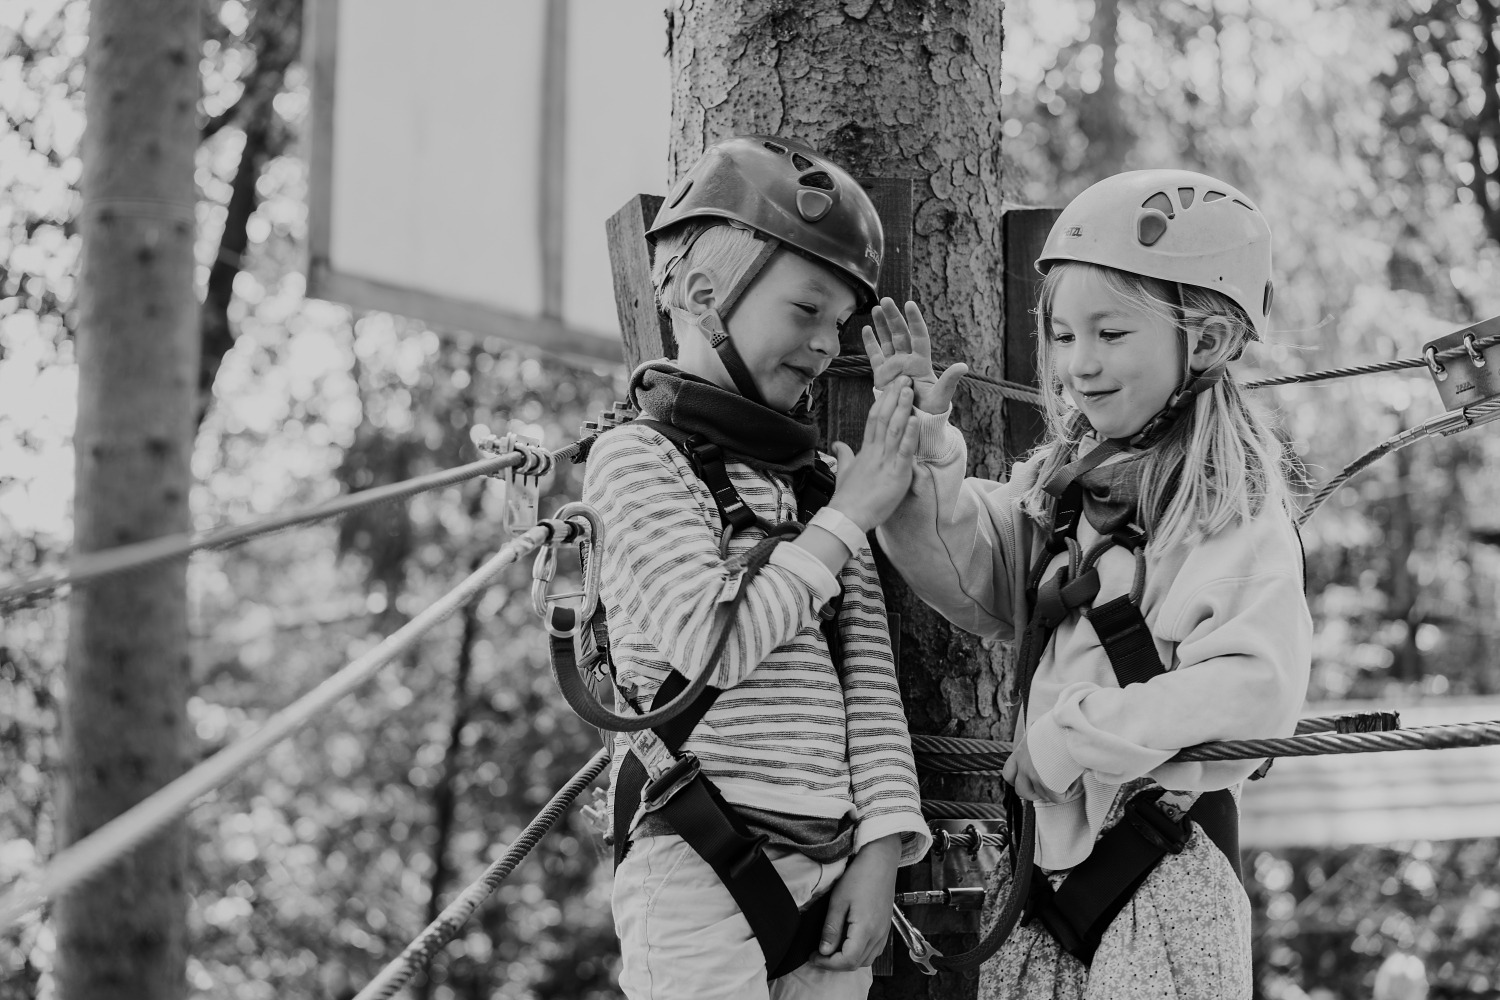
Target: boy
<point x="799" y="756"/>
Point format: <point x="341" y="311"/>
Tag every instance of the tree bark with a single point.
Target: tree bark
<point x="121" y="937"/>
<point x="896" y="90"/>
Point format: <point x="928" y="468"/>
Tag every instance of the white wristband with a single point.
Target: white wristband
<point x="842" y="527"/>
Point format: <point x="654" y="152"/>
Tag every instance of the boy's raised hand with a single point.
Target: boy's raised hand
<point x="899" y="345"/>
<point x="873" y="482"/>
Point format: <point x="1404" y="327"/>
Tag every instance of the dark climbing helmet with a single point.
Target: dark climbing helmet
<point x="1175" y="225"/>
<point x="784" y="189"/>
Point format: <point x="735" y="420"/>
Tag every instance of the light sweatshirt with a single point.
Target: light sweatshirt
<point x="792" y="732"/>
<point x="1228" y="616"/>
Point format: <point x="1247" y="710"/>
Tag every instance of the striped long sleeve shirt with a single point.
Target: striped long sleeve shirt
<point x="792" y="733"/>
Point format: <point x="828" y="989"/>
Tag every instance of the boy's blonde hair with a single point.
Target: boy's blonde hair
<point x="1218" y="466"/>
<point x="723" y="250"/>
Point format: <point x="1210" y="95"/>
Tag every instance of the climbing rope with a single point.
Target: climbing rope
<point x="82" y="860"/>
<point x="456" y="914"/>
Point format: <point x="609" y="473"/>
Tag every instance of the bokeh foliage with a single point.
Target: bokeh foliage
<point x="1368" y="133"/>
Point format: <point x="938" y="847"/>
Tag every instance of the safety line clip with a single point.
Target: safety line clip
<point x="520" y="484"/>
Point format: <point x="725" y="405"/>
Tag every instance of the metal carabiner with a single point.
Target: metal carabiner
<point x="588" y="535"/>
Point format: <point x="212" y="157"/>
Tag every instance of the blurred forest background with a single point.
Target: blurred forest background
<point x="1369" y="132"/>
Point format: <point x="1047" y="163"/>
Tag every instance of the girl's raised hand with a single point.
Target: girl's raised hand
<point x="899" y="345"/>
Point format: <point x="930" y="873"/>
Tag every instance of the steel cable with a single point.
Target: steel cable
<point x="953" y="755"/>
<point x="442" y="930"/>
<point x="82" y="860"/>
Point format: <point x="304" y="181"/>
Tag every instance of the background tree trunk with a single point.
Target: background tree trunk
<point x="895" y="90"/>
<point x="124" y="728"/>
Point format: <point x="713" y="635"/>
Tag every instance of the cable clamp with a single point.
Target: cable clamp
<point x="521" y="483"/>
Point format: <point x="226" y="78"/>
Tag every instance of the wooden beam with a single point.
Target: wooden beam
<point x="646" y="331"/>
<point x="320" y="55"/>
<point x="1025" y="233"/>
<point x="552" y="172"/>
<point x="844" y="403"/>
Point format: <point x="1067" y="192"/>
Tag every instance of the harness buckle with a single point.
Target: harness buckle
<point x="677" y="777"/>
<point x="1151" y="822"/>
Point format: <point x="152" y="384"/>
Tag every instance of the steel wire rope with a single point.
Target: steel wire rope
<point x="1449" y="422"/>
<point x="108" y="562"/>
<point x="447" y="925"/>
<point x="83" y="859"/>
<point x="953" y="755"/>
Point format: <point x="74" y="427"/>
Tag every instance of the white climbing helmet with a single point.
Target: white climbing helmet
<point x="1175" y="225"/>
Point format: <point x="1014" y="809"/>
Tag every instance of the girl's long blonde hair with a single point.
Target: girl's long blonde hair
<point x="1218" y="466"/>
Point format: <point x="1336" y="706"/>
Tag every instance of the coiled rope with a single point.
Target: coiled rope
<point x="456" y="914"/>
<point x="85" y="858"/>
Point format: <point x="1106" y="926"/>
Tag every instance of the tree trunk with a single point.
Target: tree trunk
<point x="894" y="90"/>
<point x="121" y="937"/>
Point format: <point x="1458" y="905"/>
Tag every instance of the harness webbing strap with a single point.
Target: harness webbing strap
<point x="690" y="803"/>
<point x="1126" y="639"/>
<point x="712" y="828"/>
<point x="1095" y="891"/>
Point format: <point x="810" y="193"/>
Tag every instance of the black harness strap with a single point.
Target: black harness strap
<point x="1095" y="891"/>
<point x="690" y="803"/>
<point x="694" y="807"/>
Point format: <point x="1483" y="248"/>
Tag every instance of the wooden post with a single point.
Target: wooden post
<point x="1025" y="232"/>
<point x="647" y="331"/>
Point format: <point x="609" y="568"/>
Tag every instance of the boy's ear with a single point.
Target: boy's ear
<point x="1210" y="344"/>
<point x="699" y="291"/>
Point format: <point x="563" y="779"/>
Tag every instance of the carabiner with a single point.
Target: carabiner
<point x="588" y="535"/>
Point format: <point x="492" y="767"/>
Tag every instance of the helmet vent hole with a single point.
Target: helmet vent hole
<point x="1243" y="205"/>
<point x="1214" y="196"/>
<point x="1159" y="202"/>
<point x="1270" y="297"/>
<point x="1185" y="195"/>
<point x="801" y="162"/>
<point x="1150" y="227"/>
<point x="819" y="180"/>
<point x="776" y="148"/>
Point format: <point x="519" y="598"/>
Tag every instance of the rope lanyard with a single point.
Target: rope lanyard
<point x="84" y="859"/>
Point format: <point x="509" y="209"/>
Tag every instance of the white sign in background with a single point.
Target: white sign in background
<point x="430" y="142"/>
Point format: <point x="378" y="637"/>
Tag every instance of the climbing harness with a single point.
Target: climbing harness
<point x="658" y="776"/>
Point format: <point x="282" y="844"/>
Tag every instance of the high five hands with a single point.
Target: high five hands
<point x="899" y="345"/>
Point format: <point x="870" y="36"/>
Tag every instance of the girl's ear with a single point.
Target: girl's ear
<point x="1211" y="344"/>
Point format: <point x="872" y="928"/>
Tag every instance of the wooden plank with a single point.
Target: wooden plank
<point x="1026" y="232"/>
<point x="553" y="336"/>
<point x="553" y="157"/>
<point x="320" y="55"/>
<point x="844" y="403"/>
<point x="646" y="332"/>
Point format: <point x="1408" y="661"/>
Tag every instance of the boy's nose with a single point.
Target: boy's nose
<point x="826" y="342"/>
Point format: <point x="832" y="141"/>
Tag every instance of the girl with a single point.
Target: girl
<point x="1145" y="558"/>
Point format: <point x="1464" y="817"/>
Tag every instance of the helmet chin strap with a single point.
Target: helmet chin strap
<point x="1195" y="384"/>
<point x="714" y="323"/>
